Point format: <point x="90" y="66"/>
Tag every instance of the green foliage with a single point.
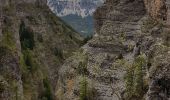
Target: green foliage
<point x="63" y="28"/>
<point x="31" y="74"/>
<point x="148" y="24"/>
<point x="166" y="38"/>
<point x="40" y="38"/>
<point x="122" y="36"/>
<point x="3" y="51"/>
<point x="2" y="87"/>
<point x="48" y="92"/>
<point x="29" y="61"/>
<point x="87" y="39"/>
<point x="26" y="70"/>
<point x="8" y="8"/>
<point x="32" y="19"/>
<point x="92" y="93"/>
<point x="58" y="52"/>
<point x="86" y="92"/>
<point x="74" y="21"/>
<point x="67" y="27"/>
<point x="8" y="39"/>
<point x="138" y="80"/>
<point x="14" y="86"/>
<point x="83" y="89"/>
<point x="25" y="74"/>
<point x="129" y="82"/>
<point x="134" y="79"/>
<point x="26" y="37"/>
<point x="82" y="68"/>
<point x="130" y="47"/>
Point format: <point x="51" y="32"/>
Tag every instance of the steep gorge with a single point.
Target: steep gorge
<point x="127" y="59"/>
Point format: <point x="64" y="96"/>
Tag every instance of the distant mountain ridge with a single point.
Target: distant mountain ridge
<point x="77" y="13"/>
<point x="82" y="8"/>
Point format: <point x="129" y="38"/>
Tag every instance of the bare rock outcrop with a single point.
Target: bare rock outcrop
<point x="127" y="59"/>
<point x="30" y="49"/>
<point x="157" y="9"/>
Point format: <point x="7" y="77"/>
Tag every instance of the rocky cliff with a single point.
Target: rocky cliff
<point x="127" y="59"/>
<point x="33" y="45"/>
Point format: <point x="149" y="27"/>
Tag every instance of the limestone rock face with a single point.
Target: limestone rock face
<point x="123" y="11"/>
<point x="158" y="9"/>
<point x="10" y="77"/>
<point x="127" y="59"/>
<point x="159" y="74"/>
<point x="34" y="43"/>
<point x="117" y="24"/>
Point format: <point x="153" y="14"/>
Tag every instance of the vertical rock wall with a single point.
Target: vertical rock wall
<point x="30" y="49"/>
<point x="126" y="30"/>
